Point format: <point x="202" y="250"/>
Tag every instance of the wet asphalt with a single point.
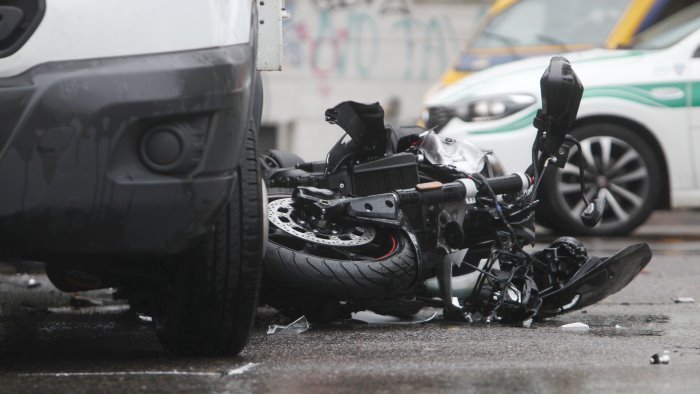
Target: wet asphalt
<point x="47" y="345"/>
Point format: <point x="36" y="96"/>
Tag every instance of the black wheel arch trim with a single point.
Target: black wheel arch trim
<point x="24" y="36"/>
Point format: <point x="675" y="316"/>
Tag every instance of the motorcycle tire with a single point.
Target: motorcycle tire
<point x="283" y="159"/>
<point x="388" y="275"/>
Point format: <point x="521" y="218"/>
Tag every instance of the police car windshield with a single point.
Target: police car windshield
<point x="670" y="31"/>
<point x="552" y="22"/>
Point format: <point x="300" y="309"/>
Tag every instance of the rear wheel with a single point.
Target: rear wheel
<point x="619" y="167"/>
<point x="209" y="306"/>
<point x="276" y="158"/>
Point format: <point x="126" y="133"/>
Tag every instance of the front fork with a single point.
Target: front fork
<point x="450" y="240"/>
<point x="450" y="311"/>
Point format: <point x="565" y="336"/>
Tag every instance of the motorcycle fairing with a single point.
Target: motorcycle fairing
<point x="595" y="280"/>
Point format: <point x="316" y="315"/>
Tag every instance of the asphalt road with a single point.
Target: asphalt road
<point x="48" y="346"/>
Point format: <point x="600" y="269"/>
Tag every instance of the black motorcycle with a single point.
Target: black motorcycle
<point x="396" y="219"/>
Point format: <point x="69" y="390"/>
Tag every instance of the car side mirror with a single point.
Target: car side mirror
<point x="561" y="96"/>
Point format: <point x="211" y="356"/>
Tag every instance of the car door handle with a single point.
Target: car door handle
<point x="10" y="19"/>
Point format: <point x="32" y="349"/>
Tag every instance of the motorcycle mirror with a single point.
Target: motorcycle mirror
<point x="593" y="213"/>
<point x="561" y="96"/>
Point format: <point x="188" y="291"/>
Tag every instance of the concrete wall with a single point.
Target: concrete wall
<point x="389" y="51"/>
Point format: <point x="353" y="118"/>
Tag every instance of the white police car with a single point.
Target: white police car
<point x="639" y="125"/>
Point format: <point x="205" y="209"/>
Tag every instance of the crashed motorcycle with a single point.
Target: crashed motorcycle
<point x="397" y="219"/>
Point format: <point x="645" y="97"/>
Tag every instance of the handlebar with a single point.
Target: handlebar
<point x="436" y="192"/>
<point x="508" y="184"/>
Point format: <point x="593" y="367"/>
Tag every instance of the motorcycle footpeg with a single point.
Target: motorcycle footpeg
<point x="313" y="194"/>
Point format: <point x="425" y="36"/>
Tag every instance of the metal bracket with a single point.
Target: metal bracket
<point x="271" y="14"/>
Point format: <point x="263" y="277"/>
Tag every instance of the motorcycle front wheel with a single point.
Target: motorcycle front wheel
<point x="387" y="267"/>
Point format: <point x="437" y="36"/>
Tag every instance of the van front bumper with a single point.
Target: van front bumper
<point x="73" y="178"/>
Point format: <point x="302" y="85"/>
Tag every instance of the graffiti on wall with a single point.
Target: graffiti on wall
<point x="385" y="6"/>
<point x="367" y="39"/>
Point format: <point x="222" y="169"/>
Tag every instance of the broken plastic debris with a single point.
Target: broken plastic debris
<point x="32" y="283"/>
<point x="662" y="358"/>
<point x="684" y="300"/>
<point x="145" y="318"/>
<point x="294" y="328"/>
<point x="618" y="327"/>
<point x="578" y="326"/>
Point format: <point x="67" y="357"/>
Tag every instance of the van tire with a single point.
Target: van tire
<point x="209" y="306"/>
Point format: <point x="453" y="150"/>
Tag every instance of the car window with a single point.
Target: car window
<point x="670" y="31"/>
<point x="552" y="22"/>
<point x="663" y="9"/>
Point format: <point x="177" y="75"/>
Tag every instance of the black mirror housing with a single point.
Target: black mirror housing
<point x="561" y="96"/>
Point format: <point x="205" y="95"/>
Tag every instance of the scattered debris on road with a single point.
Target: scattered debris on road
<point x="294" y="328"/>
<point x="578" y="327"/>
<point x="662" y="358"/>
<point x="144" y="318"/>
<point x="684" y="300"/>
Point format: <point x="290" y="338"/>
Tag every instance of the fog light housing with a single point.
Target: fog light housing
<point x="167" y="148"/>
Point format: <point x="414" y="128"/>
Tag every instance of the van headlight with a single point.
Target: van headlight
<point x="478" y="109"/>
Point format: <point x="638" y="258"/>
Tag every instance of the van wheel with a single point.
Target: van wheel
<point x="620" y="167"/>
<point x="209" y="305"/>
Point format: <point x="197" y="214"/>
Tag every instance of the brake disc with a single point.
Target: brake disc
<point x="282" y="214"/>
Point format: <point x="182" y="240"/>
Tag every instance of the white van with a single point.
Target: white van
<point x="128" y="154"/>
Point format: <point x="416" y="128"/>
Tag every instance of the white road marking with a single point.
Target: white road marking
<point x="232" y="372"/>
<point x="241" y="370"/>
<point x="121" y="373"/>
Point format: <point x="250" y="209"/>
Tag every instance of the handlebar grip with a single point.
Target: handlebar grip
<point x="436" y="192"/>
<point x="431" y="193"/>
<point x="508" y="184"/>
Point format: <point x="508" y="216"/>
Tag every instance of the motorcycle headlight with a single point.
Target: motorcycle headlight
<point x="479" y="109"/>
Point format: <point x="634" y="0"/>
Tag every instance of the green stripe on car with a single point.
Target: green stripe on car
<point x="644" y="94"/>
